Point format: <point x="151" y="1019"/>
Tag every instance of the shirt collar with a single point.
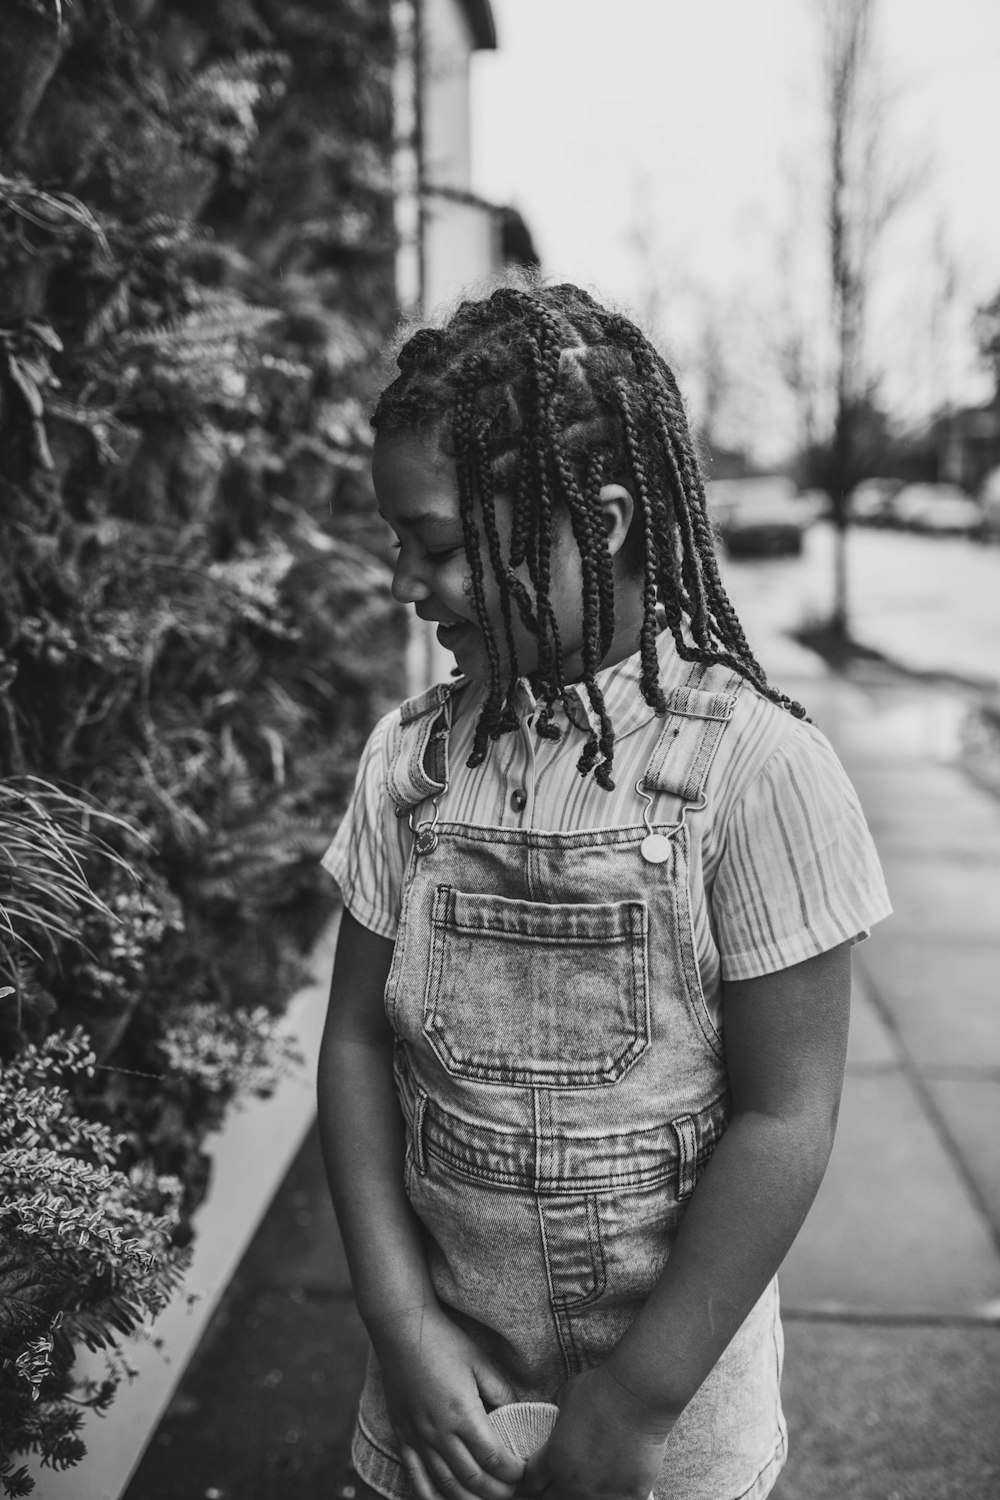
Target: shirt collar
<point x="621" y="688"/>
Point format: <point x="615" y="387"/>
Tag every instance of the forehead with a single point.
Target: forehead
<point x="414" y="481"/>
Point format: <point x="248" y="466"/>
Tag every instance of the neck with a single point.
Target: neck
<point x="624" y="642"/>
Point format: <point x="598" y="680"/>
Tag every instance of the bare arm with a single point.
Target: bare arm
<point x="361" y="1133"/>
<point x="786" y="1042"/>
<point x="436" y="1380"/>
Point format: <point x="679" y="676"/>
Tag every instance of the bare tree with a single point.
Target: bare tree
<point x="793" y="341"/>
<point x="861" y="199"/>
<point x="850" y="141"/>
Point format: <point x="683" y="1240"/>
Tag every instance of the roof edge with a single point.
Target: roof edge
<point x="479" y="14"/>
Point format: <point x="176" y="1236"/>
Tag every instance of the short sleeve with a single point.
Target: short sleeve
<point x="367" y="857"/>
<point x="799" y="873"/>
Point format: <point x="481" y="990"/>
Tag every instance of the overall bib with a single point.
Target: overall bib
<point x="563" y="1086"/>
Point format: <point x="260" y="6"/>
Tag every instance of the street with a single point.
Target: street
<point x="932" y="604"/>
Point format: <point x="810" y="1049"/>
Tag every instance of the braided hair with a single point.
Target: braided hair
<point x="541" y="394"/>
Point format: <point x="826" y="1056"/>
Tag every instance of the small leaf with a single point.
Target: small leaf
<point x="29" y="390"/>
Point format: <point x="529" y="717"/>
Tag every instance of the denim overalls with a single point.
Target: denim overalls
<point x="563" y="1086"/>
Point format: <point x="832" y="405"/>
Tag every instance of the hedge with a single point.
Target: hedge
<point x="196" y="633"/>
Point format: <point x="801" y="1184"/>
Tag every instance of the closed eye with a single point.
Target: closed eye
<point x="440" y="554"/>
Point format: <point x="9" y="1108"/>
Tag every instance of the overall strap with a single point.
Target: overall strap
<point x="419" y="767"/>
<point x="698" y="712"/>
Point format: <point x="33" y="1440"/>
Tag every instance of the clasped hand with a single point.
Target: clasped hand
<point x="607" y="1444"/>
<point x="439" y="1385"/>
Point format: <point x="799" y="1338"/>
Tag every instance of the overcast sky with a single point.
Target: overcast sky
<point x="670" y="154"/>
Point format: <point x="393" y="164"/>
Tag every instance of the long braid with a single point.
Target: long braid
<point x="537" y="469"/>
<point x="666" y="399"/>
<point x="647" y="638"/>
<point x="680" y="476"/>
<point x="593" y="485"/>
<point x="590" y="540"/>
<point x="598" y="588"/>
<point x="536" y="553"/>
<point x="490" y="715"/>
<point x="484" y="477"/>
<point x="736" y="651"/>
<point x="701" y="625"/>
<point x="605" y="607"/>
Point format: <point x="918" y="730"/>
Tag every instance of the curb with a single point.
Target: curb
<point x="250" y="1157"/>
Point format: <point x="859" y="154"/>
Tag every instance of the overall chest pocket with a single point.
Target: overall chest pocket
<point x="537" y="995"/>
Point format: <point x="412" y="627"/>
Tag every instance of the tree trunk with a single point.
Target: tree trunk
<point x="850" y="231"/>
<point x="840" y="613"/>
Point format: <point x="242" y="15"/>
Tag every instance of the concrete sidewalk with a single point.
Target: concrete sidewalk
<point x="891" y="1292"/>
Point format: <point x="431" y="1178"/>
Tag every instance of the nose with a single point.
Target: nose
<point x="407" y="585"/>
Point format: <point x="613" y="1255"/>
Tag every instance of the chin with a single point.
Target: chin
<point x="470" y="658"/>
<point x="474" y="664"/>
<point x="469" y="650"/>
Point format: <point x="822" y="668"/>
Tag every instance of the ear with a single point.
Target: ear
<point x="617" y="509"/>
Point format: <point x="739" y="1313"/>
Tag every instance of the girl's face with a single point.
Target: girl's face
<point x="417" y="491"/>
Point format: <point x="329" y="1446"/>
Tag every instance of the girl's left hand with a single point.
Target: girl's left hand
<point x="606" y="1445"/>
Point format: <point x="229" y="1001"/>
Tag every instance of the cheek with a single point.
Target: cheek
<point x="567" y="595"/>
<point x="452" y="583"/>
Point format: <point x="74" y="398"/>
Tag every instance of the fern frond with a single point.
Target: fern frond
<point x="199" y="333"/>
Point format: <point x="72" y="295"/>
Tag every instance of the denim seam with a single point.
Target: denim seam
<point x="591" y="922"/>
<point x="434" y="966"/>
<point x="556" y="1320"/>
<point x="541" y="1104"/>
<point x="525" y="1078"/>
<point x="391" y="994"/>
<point x="693" y="974"/>
<point x="777" y="1452"/>
<point x="640" y="974"/>
<point x="531" y="839"/>
<point x="388" y="1462"/>
<point x="553" y="1186"/>
<point x="598" y="1264"/>
<point x="419" y="1154"/>
<point x="685" y="936"/>
<point x="541" y="939"/>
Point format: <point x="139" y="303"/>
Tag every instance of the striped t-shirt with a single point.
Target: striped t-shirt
<point x="782" y="865"/>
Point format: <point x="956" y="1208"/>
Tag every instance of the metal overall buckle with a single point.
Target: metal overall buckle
<point x="655" y="847"/>
<point x="425" y="839"/>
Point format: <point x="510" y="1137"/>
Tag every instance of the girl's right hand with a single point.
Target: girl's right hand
<point x="438" y="1386"/>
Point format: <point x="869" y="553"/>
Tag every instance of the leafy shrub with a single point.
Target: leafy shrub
<point x="86" y="1255"/>
<point x="196" y="629"/>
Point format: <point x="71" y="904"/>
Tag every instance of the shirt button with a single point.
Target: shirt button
<point x="519" y="799"/>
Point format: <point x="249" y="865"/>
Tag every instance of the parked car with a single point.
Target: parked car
<point x="871" y="501"/>
<point x="761" y="515"/>
<point x="989" y="500"/>
<point x="944" y="509"/>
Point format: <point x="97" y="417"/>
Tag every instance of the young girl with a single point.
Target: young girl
<point x="581" y="1072"/>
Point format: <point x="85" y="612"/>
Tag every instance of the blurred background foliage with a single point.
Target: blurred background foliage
<point x="196" y="632"/>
